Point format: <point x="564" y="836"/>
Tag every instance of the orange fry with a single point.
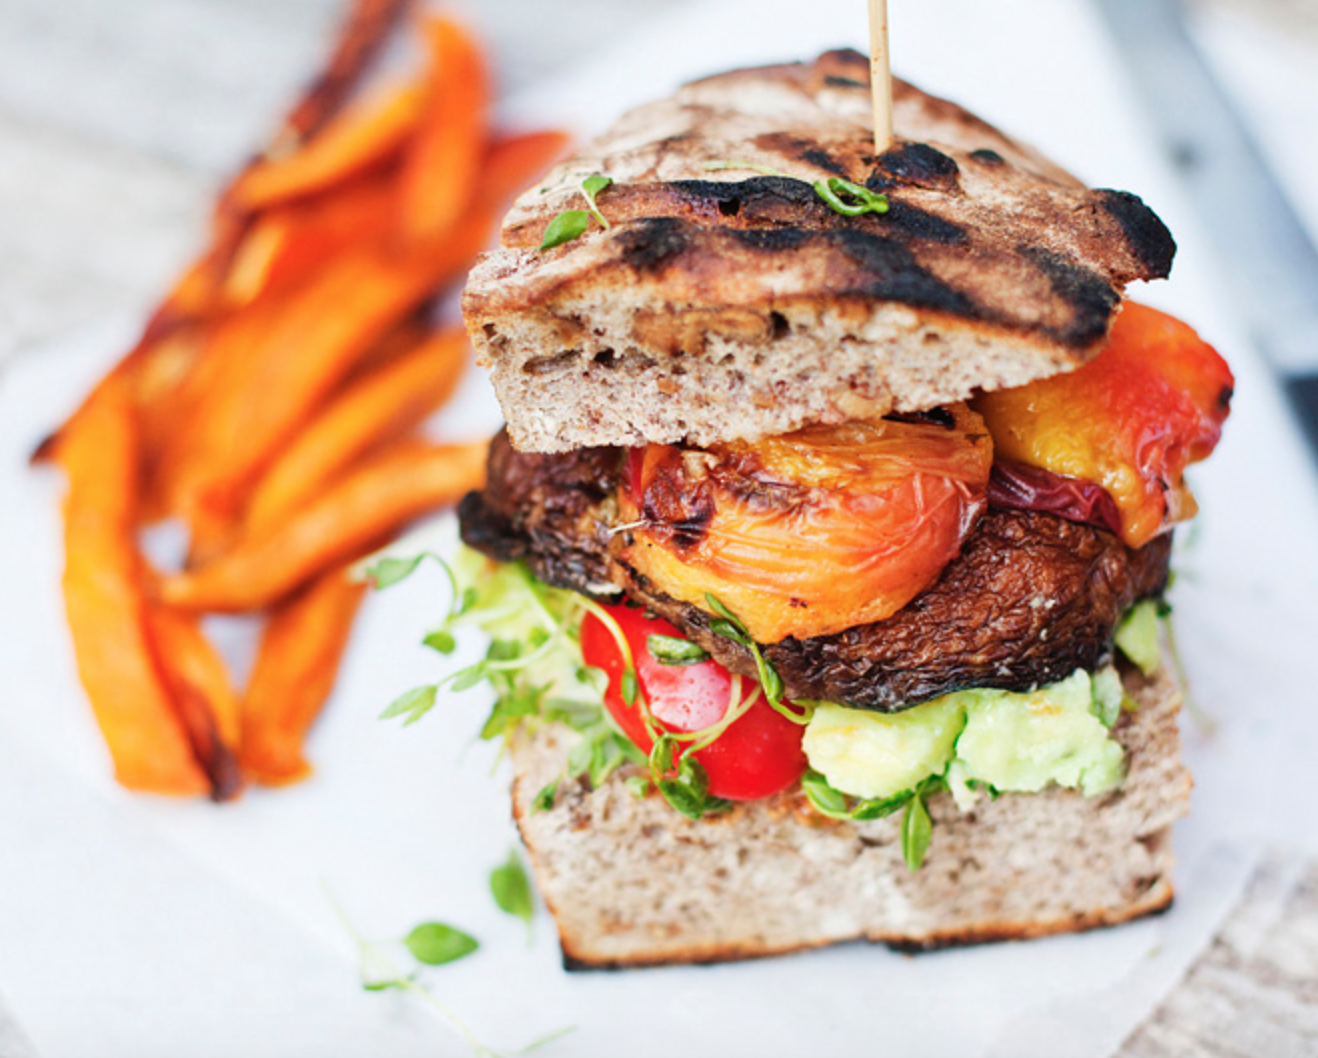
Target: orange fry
<point x="205" y="699"/>
<point x="295" y="669"/>
<point x="407" y="333"/>
<point x="340" y="524"/>
<point x="288" y="242"/>
<point x="303" y="347"/>
<point x="364" y="135"/>
<point x="380" y="406"/>
<point x="362" y="34"/>
<point x="145" y="377"/>
<point x="105" y="607"/>
<point x="443" y="162"/>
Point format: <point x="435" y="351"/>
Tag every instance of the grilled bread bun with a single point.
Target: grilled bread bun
<point x="723" y="303"/>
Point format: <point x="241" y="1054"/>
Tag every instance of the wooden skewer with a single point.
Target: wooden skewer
<point x="880" y="75"/>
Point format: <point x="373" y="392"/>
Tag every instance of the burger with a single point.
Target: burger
<point x="824" y="551"/>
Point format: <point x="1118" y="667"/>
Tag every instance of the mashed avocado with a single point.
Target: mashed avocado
<point x="869" y="754"/>
<point x="1023" y="742"/>
<point x="1137" y="637"/>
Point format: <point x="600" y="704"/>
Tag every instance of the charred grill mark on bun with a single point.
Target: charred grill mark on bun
<point x="1146" y="234"/>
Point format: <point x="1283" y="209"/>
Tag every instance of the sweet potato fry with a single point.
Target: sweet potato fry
<point x="378" y="407"/>
<point x="342" y="523"/>
<point x="442" y="163"/>
<point x="360" y="38"/>
<point x="404" y="336"/>
<point x="105" y="606"/>
<point x="226" y="349"/>
<point x="295" y="669"/>
<point x="299" y="351"/>
<point x="146" y="376"/>
<point x="290" y="353"/>
<point x="364" y="135"/>
<point x="288" y="242"/>
<point x="203" y="696"/>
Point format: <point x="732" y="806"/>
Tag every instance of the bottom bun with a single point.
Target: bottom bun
<point x="632" y="883"/>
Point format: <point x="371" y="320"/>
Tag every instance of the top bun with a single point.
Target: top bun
<point x="723" y="303"/>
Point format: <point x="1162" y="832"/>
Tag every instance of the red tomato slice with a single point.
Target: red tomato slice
<point x="758" y="755"/>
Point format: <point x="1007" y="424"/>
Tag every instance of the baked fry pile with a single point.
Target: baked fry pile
<point x="273" y="404"/>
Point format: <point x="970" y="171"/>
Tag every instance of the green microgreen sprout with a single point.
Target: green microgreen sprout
<point x="916" y="824"/>
<point x="750" y="167"/>
<point x="859" y="199"/>
<point x="573" y="223"/>
<point x="437" y="943"/>
<point x="730" y="626"/>
<point x="550" y="619"/>
<point x="842" y="196"/>
<point x="669" y="650"/>
<point x="518" y="670"/>
<point x="431" y="944"/>
<point x="380" y="974"/>
<point x="511" y="890"/>
<point x="917" y="831"/>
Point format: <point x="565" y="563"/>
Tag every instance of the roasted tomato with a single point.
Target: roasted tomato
<point x="813" y="532"/>
<point x="758" y="755"/>
<point x="1130" y="420"/>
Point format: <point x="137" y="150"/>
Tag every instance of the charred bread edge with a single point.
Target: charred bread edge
<point x="1159" y="902"/>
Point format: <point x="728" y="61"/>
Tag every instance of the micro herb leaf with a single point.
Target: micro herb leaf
<point x="631" y="687"/>
<point x="717" y="606"/>
<point x="590" y="188"/>
<point x="730" y="626"/>
<point x="383" y="986"/>
<point x="568" y="225"/>
<point x="917" y="831"/>
<point x="825" y="800"/>
<point x="511" y="889"/>
<point x="573" y="223"/>
<point x="579" y="756"/>
<point x="750" y="167"/>
<point x="544" y="800"/>
<point x="436" y="943"/>
<point x="669" y="650"/>
<point x="509" y="708"/>
<point x="728" y="630"/>
<point x="880" y="807"/>
<point x="682" y="798"/>
<point x="441" y="642"/>
<point x="688" y="791"/>
<point x="638" y="786"/>
<point x="412" y="705"/>
<point x="389" y="571"/>
<point x="661" y="756"/>
<point x="468" y="678"/>
<point x="432" y="940"/>
<point x="860" y="199"/>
